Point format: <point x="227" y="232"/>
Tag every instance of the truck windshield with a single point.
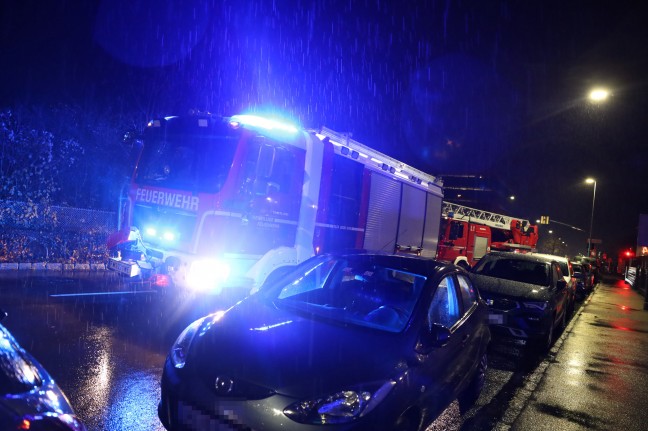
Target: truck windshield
<point x="186" y="159"/>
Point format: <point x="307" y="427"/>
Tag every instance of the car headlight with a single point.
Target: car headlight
<point x="180" y="348"/>
<point x="537" y="305"/>
<point x="182" y="344"/>
<point x="339" y="407"/>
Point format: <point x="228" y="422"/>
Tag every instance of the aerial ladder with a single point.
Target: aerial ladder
<point x="469" y="233"/>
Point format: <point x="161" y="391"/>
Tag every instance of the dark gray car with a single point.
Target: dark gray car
<point x="527" y="296"/>
<point x="349" y="341"/>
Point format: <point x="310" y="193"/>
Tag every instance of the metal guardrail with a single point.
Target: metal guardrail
<point x="27" y="215"/>
<point x="52" y="235"/>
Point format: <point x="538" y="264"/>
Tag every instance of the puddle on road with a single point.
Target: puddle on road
<point x="606" y="324"/>
<point x="581" y="418"/>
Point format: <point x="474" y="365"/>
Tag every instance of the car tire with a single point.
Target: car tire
<point x="545" y="342"/>
<point x="470" y="395"/>
<point x="542" y="344"/>
<point x="408" y="421"/>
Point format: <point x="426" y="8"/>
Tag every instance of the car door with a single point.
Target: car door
<point x="443" y="366"/>
<point x="469" y="328"/>
<point x="560" y="296"/>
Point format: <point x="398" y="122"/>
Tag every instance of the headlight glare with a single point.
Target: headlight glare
<point x="339" y="407"/>
<point x="205" y="275"/>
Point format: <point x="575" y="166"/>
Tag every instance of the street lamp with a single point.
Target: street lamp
<point x="589" y="240"/>
<point x="599" y="95"/>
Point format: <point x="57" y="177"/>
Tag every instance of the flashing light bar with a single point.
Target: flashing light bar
<point x="380" y="164"/>
<point x="261" y="122"/>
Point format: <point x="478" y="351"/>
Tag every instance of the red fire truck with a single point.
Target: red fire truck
<point x="219" y="201"/>
<point x="467" y="234"/>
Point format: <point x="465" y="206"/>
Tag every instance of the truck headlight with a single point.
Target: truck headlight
<point x="207" y="274"/>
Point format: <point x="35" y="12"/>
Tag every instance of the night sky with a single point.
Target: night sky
<point x="496" y="88"/>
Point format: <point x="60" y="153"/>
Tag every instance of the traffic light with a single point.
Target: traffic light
<point x="544" y="219"/>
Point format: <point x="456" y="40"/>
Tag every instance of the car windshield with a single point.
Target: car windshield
<point x="524" y="271"/>
<point x="183" y="158"/>
<point x="363" y="290"/>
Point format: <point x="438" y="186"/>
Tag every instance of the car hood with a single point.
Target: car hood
<point x="295" y="353"/>
<point x="510" y="288"/>
<point x="27" y="390"/>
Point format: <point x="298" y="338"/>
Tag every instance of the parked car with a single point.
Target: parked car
<point x="527" y="296"/>
<point x="595" y="265"/>
<point x="584" y="279"/>
<point x="345" y="341"/>
<point x="30" y="399"/>
<point x="568" y="274"/>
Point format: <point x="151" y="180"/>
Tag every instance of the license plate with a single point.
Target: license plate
<point x="496" y="319"/>
<point x="197" y="420"/>
<point x="131" y="269"/>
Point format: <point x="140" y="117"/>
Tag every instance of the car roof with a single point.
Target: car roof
<point x="429" y="263"/>
<point x="551" y="257"/>
<point x="534" y="257"/>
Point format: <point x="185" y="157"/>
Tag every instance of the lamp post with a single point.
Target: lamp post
<point x="589" y="240"/>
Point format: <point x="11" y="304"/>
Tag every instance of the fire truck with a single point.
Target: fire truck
<point x="467" y="234"/>
<point x="216" y="202"/>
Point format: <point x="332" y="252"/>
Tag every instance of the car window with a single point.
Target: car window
<point x="564" y="268"/>
<point x="522" y="270"/>
<point x="468" y="292"/>
<point x="558" y="274"/>
<point x="375" y="292"/>
<point x="444" y="308"/>
<point x="315" y="278"/>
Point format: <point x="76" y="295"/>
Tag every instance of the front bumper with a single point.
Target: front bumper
<point x="190" y="404"/>
<point x="519" y="322"/>
<point x="128" y="268"/>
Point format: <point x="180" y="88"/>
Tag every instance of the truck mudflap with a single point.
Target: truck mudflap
<point x="128" y="268"/>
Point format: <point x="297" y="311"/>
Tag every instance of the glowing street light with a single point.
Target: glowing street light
<point x="589" y="240"/>
<point x="599" y="95"/>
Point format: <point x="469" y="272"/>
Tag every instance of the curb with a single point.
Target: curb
<point x="45" y="266"/>
<point x="522" y="395"/>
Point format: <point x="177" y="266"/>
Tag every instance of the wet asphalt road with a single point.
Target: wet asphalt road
<point x="105" y="339"/>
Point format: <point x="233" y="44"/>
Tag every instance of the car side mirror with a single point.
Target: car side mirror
<point x="561" y="284"/>
<point x="436" y="336"/>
